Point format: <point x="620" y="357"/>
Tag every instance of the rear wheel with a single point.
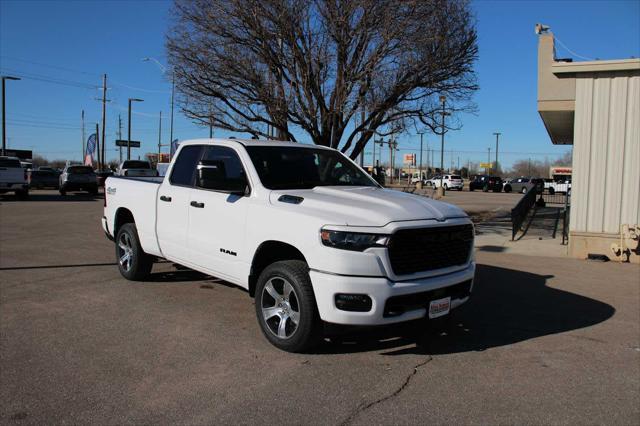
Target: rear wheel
<point x="524" y="190"/>
<point x="22" y="193"/>
<point x="507" y="188"/>
<point x="286" y="306"/>
<point x="134" y="264"/>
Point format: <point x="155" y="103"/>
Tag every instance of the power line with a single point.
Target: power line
<point x="49" y="65"/>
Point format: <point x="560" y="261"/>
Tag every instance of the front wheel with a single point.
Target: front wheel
<point x="507" y="188"/>
<point x="134" y="264"/>
<point x="286" y="306"/>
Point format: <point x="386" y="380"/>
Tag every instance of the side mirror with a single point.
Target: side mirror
<point x="212" y="175"/>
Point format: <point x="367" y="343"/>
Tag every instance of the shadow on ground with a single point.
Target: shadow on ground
<point x="34" y="196"/>
<point x="508" y="306"/>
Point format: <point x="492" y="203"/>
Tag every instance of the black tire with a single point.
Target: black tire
<point x="308" y="331"/>
<point x="551" y="191"/>
<point x="471" y="188"/>
<point x="507" y="188"/>
<point x="22" y="193"/>
<point x="93" y="191"/>
<point x="62" y="191"/>
<point x="524" y="190"/>
<point x="139" y="263"/>
<point x="485" y="188"/>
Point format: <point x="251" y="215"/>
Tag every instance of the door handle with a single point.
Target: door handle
<point x="197" y="204"/>
<point x="165" y="198"/>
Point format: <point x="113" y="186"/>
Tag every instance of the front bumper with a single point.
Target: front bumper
<point x="380" y="289"/>
<point x="5" y="187"/>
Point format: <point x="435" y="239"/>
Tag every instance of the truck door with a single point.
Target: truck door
<point x="174" y="196"/>
<point x="217" y="217"/>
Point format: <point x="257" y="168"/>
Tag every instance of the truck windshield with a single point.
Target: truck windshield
<point x="305" y="168"/>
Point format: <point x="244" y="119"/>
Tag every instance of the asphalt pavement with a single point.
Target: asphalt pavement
<point x="544" y="340"/>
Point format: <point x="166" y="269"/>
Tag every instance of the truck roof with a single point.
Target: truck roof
<point x="252" y="142"/>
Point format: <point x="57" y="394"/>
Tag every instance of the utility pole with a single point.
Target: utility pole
<point x="82" y="125"/>
<point x="362" y="135"/>
<point x="443" y="99"/>
<point x="129" y="125"/>
<point x="98" y="143"/>
<point x="159" y="137"/>
<point x="529" y="166"/>
<point x="104" y="117"/>
<point x="489" y="160"/>
<point x="173" y="88"/>
<point x="497" y="139"/>
<point x="210" y="128"/>
<point x="4" y="112"/>
<point x="120" y="134"/>
<point x="420" y="173"/>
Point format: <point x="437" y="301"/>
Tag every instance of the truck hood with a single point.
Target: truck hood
<point x="364" y="206"/>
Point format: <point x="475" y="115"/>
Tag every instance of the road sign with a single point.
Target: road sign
<point x="486" y="165"/>
<point x="410" y="159"/>
<point x="134" y="144"/>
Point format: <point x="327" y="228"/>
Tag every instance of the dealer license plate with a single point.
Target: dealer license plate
<point x="440" y="307"/>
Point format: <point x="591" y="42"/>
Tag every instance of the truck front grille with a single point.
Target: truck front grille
<point x="427" y="249"/>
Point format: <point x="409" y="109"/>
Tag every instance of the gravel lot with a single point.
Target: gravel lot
<point x="544" y="340"/>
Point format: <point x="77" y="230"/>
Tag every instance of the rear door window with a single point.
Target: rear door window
<point x="184" y="169"/>
<point x="9" y="163"/>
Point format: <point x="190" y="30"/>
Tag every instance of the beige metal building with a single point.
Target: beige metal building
<point x="595" y="105"/>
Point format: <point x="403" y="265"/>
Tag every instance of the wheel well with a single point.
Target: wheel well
<point x="123" y="216"/>
<point x="267" y="253"/>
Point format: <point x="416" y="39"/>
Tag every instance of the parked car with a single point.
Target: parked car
<point x="448" y="182"/>
<point x="13" y="177"/>
<point x="561" y="186"/>
<point x="102" y="175"/>
<point x="44" y="179"/>
<point x="136" y="168"/>
<point x="78" y="178"/>
<point x="486" y="183"/>
<point x="257" y="214"/>
<point x="524" y="184"/>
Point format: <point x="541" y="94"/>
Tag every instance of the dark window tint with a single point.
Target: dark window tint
<point x="184" y="170"/>
<point x="227" y="162"/>
<point x="303" y="168"/>
<point x="80" y="170"/>
<point x="455" y="177"/>
<point x="9" y="162"/>
<point x="135" y="164"/>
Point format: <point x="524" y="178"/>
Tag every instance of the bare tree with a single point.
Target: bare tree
<point x="316" y="65"/>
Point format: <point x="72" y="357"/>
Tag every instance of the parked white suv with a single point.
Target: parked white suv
<point x="13" y="177"/>
<point x="306" y="231"/>
<point x="448" y="182"/>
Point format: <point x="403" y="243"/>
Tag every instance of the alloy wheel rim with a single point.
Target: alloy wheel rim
<point x="280" y="307"/>
<point x="125" y="251"/>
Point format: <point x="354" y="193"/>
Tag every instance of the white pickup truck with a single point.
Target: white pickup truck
<point x="13" y="177"/>
<point x="306" y="231"/>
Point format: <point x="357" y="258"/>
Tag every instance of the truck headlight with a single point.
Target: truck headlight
<point x="353" y="241"/>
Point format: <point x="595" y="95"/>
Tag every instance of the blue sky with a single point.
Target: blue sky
<point x="69" y="44"/>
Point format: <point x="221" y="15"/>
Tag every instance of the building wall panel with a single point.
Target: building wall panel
<point x="614" y="166"/>
<point x="581" y="154"/>
<point x="630" y="203"/>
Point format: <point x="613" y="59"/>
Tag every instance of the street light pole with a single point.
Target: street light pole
<point x="129" y="127"/>
<point x="4" y="109"/>
<point x="497" y="139"/>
